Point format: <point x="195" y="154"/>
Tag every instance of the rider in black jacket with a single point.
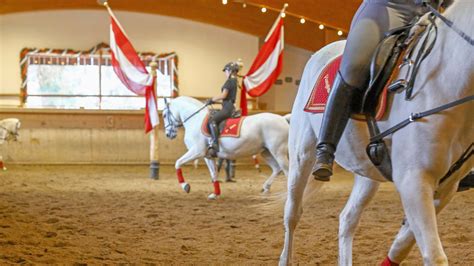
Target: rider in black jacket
<point x="228" y="96"/>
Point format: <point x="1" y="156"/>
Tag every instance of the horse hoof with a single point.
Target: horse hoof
<point x="230" y="180"/>
<point x="186" y="187"/>
<point x="212" y="196"/>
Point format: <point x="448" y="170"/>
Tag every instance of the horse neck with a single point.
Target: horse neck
<point x="186" y="110"/>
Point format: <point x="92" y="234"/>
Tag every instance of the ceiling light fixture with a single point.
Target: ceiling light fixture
<point x="224" y="2"/>
<point x="321" y="26"/>
<point x="264" y="9"/>
<point x="339" y="33"/>
<point x="283" y="15"/>
<point x="302" y="20"/>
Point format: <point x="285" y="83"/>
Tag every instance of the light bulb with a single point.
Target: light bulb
<point x="264" y="9"/>
<point x="339" y="33"/>
<point x="283" y="15"/>
<point x="302" y="20"/>
<point x="321" y="26"/>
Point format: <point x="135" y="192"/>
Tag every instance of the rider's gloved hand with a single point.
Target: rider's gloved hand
<point x="209" y="101"/>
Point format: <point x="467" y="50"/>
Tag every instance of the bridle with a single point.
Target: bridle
<point x="171" y="119"/>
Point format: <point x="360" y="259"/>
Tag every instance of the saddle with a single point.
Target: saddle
<point x="228" y="128"/>
<point x="235" y="114"/>
<point x="386" y="58"/>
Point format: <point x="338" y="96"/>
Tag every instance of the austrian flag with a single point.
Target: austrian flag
<point x="266" y="66"/>
<point x="131" y="70"/>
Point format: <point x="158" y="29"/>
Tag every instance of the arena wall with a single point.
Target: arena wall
<point x="87" y="137"/>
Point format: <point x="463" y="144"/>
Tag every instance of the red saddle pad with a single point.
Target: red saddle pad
<point x="231" y="128"/>
<point x="320" y="93"/>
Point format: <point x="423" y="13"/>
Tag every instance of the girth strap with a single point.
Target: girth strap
<point x="464" y="157"/>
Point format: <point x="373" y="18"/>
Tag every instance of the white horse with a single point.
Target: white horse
<point x="421" y="153"/>
<point x="263" y="133"/>
<point x="8" y="131"/>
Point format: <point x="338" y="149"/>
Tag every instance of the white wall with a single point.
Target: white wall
<point x="202" y="49"/>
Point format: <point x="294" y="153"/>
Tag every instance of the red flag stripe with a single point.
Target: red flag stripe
<point x="127" y="47"/>
<point x="266" y="85"/>
<point x="267" y="48"/>
<point x="130" y="84"/>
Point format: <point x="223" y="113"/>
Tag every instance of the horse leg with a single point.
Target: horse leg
<point x="362" y="194"/>
<point x="211" y="165"/>
<point x="275" y="170"/>
<point x="405" y="239"/>
<point x="190" y="155"/>
<point x="417" y="200"/>
<point x="301" y="150"/>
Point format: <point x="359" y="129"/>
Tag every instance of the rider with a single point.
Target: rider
<point x="228" y="95"/>
<point x="371" y="21"/>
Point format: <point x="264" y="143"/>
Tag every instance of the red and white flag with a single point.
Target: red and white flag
<point x="131" y="70"/>
<point x="266" y="66"/>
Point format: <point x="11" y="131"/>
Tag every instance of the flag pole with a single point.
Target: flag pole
<point x="276" y="21"/>
<point x="154" y="143"/>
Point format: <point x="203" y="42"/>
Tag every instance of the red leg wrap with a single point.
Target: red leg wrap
<point x="179" y="173"/>
<point x="388" y="262"/>
<point x="217" y="188"/>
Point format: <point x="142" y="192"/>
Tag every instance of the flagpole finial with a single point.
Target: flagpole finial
<point x="285" y="5"/>
<point x="102" y="2"/>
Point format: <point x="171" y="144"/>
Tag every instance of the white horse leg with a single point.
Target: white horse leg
<point x="405" y="240"/>
<point x="416" y="190"/>
<point x="211" y="165"/>
<point x="275" y="170"/>
<point x="190" y="155"/>
<point x="302" y="144"/>
<point x="362" y="194"/>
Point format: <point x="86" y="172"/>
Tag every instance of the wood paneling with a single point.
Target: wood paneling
<point x="336" y="13"/>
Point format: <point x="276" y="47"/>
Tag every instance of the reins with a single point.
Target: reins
<point x="415" y="116"/>
<point x="174" y="122"/>
<point x="451" y="24"/>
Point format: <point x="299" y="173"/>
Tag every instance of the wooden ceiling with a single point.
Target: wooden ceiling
<point x="334" y="13"/>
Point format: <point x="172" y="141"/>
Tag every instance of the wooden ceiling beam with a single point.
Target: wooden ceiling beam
<point x="233" y="16"/>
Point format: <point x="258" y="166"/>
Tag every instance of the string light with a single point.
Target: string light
<point x="264" y="9"/>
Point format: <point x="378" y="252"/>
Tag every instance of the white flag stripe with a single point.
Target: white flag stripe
<point x="266" y="69"/>
<point x="128" y="68"/>
<point x="154" y="114"/>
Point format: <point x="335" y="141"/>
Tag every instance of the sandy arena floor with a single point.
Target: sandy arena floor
<point x="110" y="215"/>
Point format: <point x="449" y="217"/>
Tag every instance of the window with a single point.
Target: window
<point x="68" y="79"/>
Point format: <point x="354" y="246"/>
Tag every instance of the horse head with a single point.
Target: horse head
<point x="9" y="129"/>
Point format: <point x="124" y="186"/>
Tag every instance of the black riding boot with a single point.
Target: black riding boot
<point x="213" y="147"/>
<point x="336" y="115"/>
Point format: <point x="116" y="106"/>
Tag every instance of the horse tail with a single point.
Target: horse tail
<point x="287" y="117"/>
